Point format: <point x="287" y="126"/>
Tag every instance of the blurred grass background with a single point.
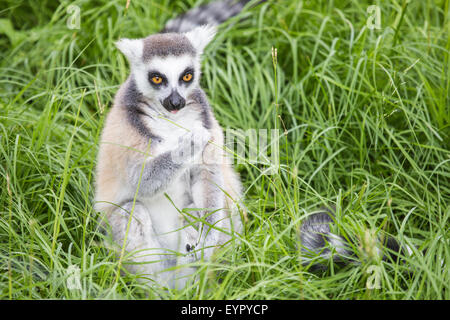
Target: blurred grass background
<point x="366" y="112"/>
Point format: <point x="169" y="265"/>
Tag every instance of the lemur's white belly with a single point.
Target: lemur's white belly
<point x="164" y="214"/>
<point x="166" y="219"/>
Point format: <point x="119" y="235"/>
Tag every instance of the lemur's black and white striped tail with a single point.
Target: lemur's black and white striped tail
<point x="319" y="243"/>
<point x="212" y="13"/>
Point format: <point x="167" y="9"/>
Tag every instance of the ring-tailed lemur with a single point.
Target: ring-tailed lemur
<point x="161" y="153"/>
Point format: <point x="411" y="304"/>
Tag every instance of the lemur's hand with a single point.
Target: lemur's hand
<point x="191" y="235"/>
<point x="195" y="252"/>
<point x="191" y="145"/>
<point x="201" y="136"/>
<point x="190" y="255"/>
<point x="194" y="249"/>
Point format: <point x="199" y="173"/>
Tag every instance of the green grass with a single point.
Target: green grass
<point x="368" y="119"/>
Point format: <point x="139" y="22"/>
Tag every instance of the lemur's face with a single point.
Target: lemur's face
<point x="169" y="80"/>
<point x="166" y="67"/>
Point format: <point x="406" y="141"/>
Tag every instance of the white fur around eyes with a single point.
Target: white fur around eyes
<point x="172" y="67"/>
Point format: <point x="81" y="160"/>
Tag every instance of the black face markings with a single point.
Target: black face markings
<point x="187" y="76"/>
<point x="132" y="103"/>
<point x="157" y="79"/>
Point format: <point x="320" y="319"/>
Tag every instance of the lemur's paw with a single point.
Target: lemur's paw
<point x="191" y="145"/>
<point x="190" y="255"/>
<point x="197" y="252"/>
<point x="200" y="137"/>
<point x="190" y="247"/>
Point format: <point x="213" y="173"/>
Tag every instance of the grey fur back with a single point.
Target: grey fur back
<point x="212" y="13"/>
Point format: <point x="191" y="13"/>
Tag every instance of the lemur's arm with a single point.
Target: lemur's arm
<point x="207" y="185"/>
<point x="160" y="171"/>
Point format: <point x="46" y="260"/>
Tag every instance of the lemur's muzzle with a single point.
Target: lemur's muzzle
<point x="174" y="102"/>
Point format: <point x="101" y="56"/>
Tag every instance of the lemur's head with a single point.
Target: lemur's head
<point x="166" y="66"/>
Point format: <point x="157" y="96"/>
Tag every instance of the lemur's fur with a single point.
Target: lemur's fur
<point x="212" y="13"/>
<point x="161" y="153"/>
<point x="319" y="243"/>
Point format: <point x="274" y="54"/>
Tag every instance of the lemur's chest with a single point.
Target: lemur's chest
<point x="178" y="195"/>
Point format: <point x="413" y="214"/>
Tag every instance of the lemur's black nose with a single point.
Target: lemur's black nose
<point x="174" y="101"/>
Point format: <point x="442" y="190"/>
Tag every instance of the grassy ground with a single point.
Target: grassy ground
<point x="367" y="119"/>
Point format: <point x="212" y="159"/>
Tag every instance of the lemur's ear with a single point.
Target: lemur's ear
<point x="201" y="36"/>
<point x="131" y="48"/>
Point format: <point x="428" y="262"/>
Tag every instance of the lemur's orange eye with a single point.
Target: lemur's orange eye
<point x="157" y="80"/>
<point x="187" y="77"/>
